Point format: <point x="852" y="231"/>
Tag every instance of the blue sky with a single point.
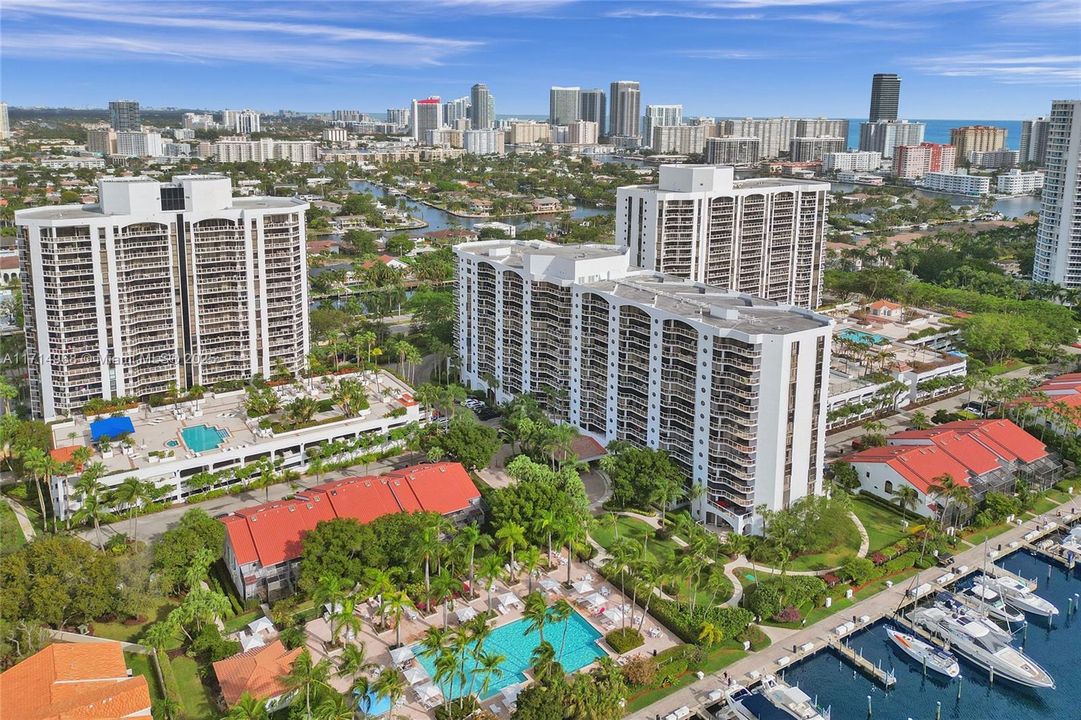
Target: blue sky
<point x="968" y="59"/>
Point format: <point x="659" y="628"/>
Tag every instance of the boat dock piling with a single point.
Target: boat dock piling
<point x="885" y="678"/>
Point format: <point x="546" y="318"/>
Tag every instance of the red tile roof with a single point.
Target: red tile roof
<point x="259" y="672"/>
<point x="1061" y="389"/>
<point x="64" y="454"/>
<point x="271" y="533"/>
<point x="73" y="682"/>
<point x="961" y="449"/>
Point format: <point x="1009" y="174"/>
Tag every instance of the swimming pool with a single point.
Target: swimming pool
<point x="863" y="338"/>
<point x="200" y="438"/>
<point x="516" y="644"/>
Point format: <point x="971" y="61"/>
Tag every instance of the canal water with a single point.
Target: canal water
<point x="1055" y="646"/>
<point x="441" y="220"/>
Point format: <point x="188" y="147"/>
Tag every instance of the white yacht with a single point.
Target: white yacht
<point x="991" y="603"/>
<point x="773" y="700"/>
<point x="1017" y="595"/>
<point x="1071" y="543"/>
<point x="925" y="653"/>
<point x="973" y="637"/>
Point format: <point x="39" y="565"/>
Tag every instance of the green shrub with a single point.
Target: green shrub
<point x="457" y="709"/>
<point x="624" y="639"/>
<point x="857" y="570"/>
<point x="901" y="562"/>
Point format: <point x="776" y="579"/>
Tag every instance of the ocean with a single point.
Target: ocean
<point x="938" y="131"/>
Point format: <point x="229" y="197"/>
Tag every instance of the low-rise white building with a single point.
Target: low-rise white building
<point x="731" y="386"/>
<point x="956" y="183"/>
<point x="858" y="161"/>
<point x="1016" y="182"/>
<point x="484" y="142"/>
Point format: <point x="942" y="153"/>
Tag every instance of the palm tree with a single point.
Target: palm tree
<point x="329" y="591"/>
<point x="130" y="493"/>
<point x="36" y="461"/>
<point x="546" y="522"/>
<point x="906" y="497"/>
<point x="248" y="708"/>
<point x="306" y="675"/>
<point x="91" y="492"/>
<point x="919" y="421"/>
<point x="429" y="546"/>
<point x="444" y="585"/>
<point x="344" y="619"/>
<point x="396" y="602"/>
<point x="560" y="612"/>
<point x="469" y="538"/>
<point x="490" y="570"/>
<point x="336" y="706"/>
<point x="391" y="685"/>
<point x="945" y="488"/>
<point x="353" y="661"/>
<point x="530" y="560"/>
<point x="376" y="583"/>
<point x="569" y="531"/>
<point x="536" y="612"/>
<point x="510" y="536"/>
<point x="490" y="667"/>
<point x="543" y="662"/>
<point x="710" y="634"/>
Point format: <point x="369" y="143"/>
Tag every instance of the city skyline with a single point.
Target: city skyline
<point x="712" y="57"/>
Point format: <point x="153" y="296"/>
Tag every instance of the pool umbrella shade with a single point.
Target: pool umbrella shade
<point x="549" y="584"/>
<point x="401" y="655"/>
<point x="582" y="587"/>
<point x="465" y="614"/>
<point x="428" y="691"/>
<point x="415" y="675"/>
<point x="595" y="600"/>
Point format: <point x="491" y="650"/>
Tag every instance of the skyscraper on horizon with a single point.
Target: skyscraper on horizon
<point x="124" y="115"/>
<point x="594" y="108"/>
<point x="482" y="112"/>
<point x="624" y="98"/>
<point x="1058" y="237"/>
<point x="885" y="96"/>
<point x="425" y="115"/>
<point x="563" y="105"/>
<point x="660" y="116"/>
<point x="1033" y="141"/>
<point x="5" y="122"/>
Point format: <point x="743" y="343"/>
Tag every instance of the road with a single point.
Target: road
<point x="876" y="606"/>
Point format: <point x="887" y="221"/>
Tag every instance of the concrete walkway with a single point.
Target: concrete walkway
<point x="21" y="518"/>
<point x="876" y="606"/>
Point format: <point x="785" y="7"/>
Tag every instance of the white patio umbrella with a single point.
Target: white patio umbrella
<point x="614" y="614"/>
<point x="401" y="655"/>
<point x="582" y="587"/>
<point x="549" y="584"/>
<point x="427" y="691"/>
<point x="595" y="600"/>
<point x="465" y="614"/>
<point x="508" y="599"/>
<point x="415" y="675"/>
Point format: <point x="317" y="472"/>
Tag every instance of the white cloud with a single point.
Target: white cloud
<point x="1042" y="12"/>
<point x="675" y="13"/>
<point x="1009" y="64"/>
<point x="725" y="54"/>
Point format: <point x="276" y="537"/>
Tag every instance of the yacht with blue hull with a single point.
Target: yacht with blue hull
<point x="773" y="700"/>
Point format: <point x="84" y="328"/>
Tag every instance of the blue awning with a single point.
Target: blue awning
<point x="111" y="428"/>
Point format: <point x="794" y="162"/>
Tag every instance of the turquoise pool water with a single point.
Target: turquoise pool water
<point x="172" y="443"/>
<point x="516" y="644"/>
<point x="863" y="338"/>
<point x="200" y="438"/>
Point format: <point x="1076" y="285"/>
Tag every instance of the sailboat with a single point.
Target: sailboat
<point x="925" y="653"/>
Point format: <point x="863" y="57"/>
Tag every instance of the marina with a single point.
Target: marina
<point x="844" y="664"/>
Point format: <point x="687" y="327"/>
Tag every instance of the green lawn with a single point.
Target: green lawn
<point x="724" y="655"/>
<point x="240" y="621"/>
<point x="157" y="608"/>
<point x="141" y="665"/>
<point x="193" y="694"/>
<point x="978" y="536"/>
<point x="664" y="552"/>
<point x="11" y="536"/>
<point x="834" y="556"/>
<point x="883" y="525"/>
<point x="1050" y="500"/>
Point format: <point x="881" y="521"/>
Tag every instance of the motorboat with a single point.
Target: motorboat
<point x="992" y="603"/>
<point x="1017" y="595"/>
<point x="925" y="653"/>
<point x="774" y="700"/>
<point x="972" y="637"/>
<point x="1071" y="542"/>
<point x="949" y="602"/>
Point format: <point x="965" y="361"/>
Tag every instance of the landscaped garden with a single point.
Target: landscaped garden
<point x="884" y="525"/>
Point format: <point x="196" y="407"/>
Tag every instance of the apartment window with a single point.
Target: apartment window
<point x="172" y="198"/>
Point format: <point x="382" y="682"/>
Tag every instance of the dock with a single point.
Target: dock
<point x="885" y="678"/>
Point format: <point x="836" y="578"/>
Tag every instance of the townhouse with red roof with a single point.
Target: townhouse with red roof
<point x="984" y="455"/>
<point x="1061" y="395"/>
<point x="263" y="543"/>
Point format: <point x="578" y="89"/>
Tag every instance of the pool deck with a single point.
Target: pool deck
<point x="378" y="643"/>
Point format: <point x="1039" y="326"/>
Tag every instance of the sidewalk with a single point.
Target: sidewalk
<point x="20" y="516"/>
<point x="876" y="606"/>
